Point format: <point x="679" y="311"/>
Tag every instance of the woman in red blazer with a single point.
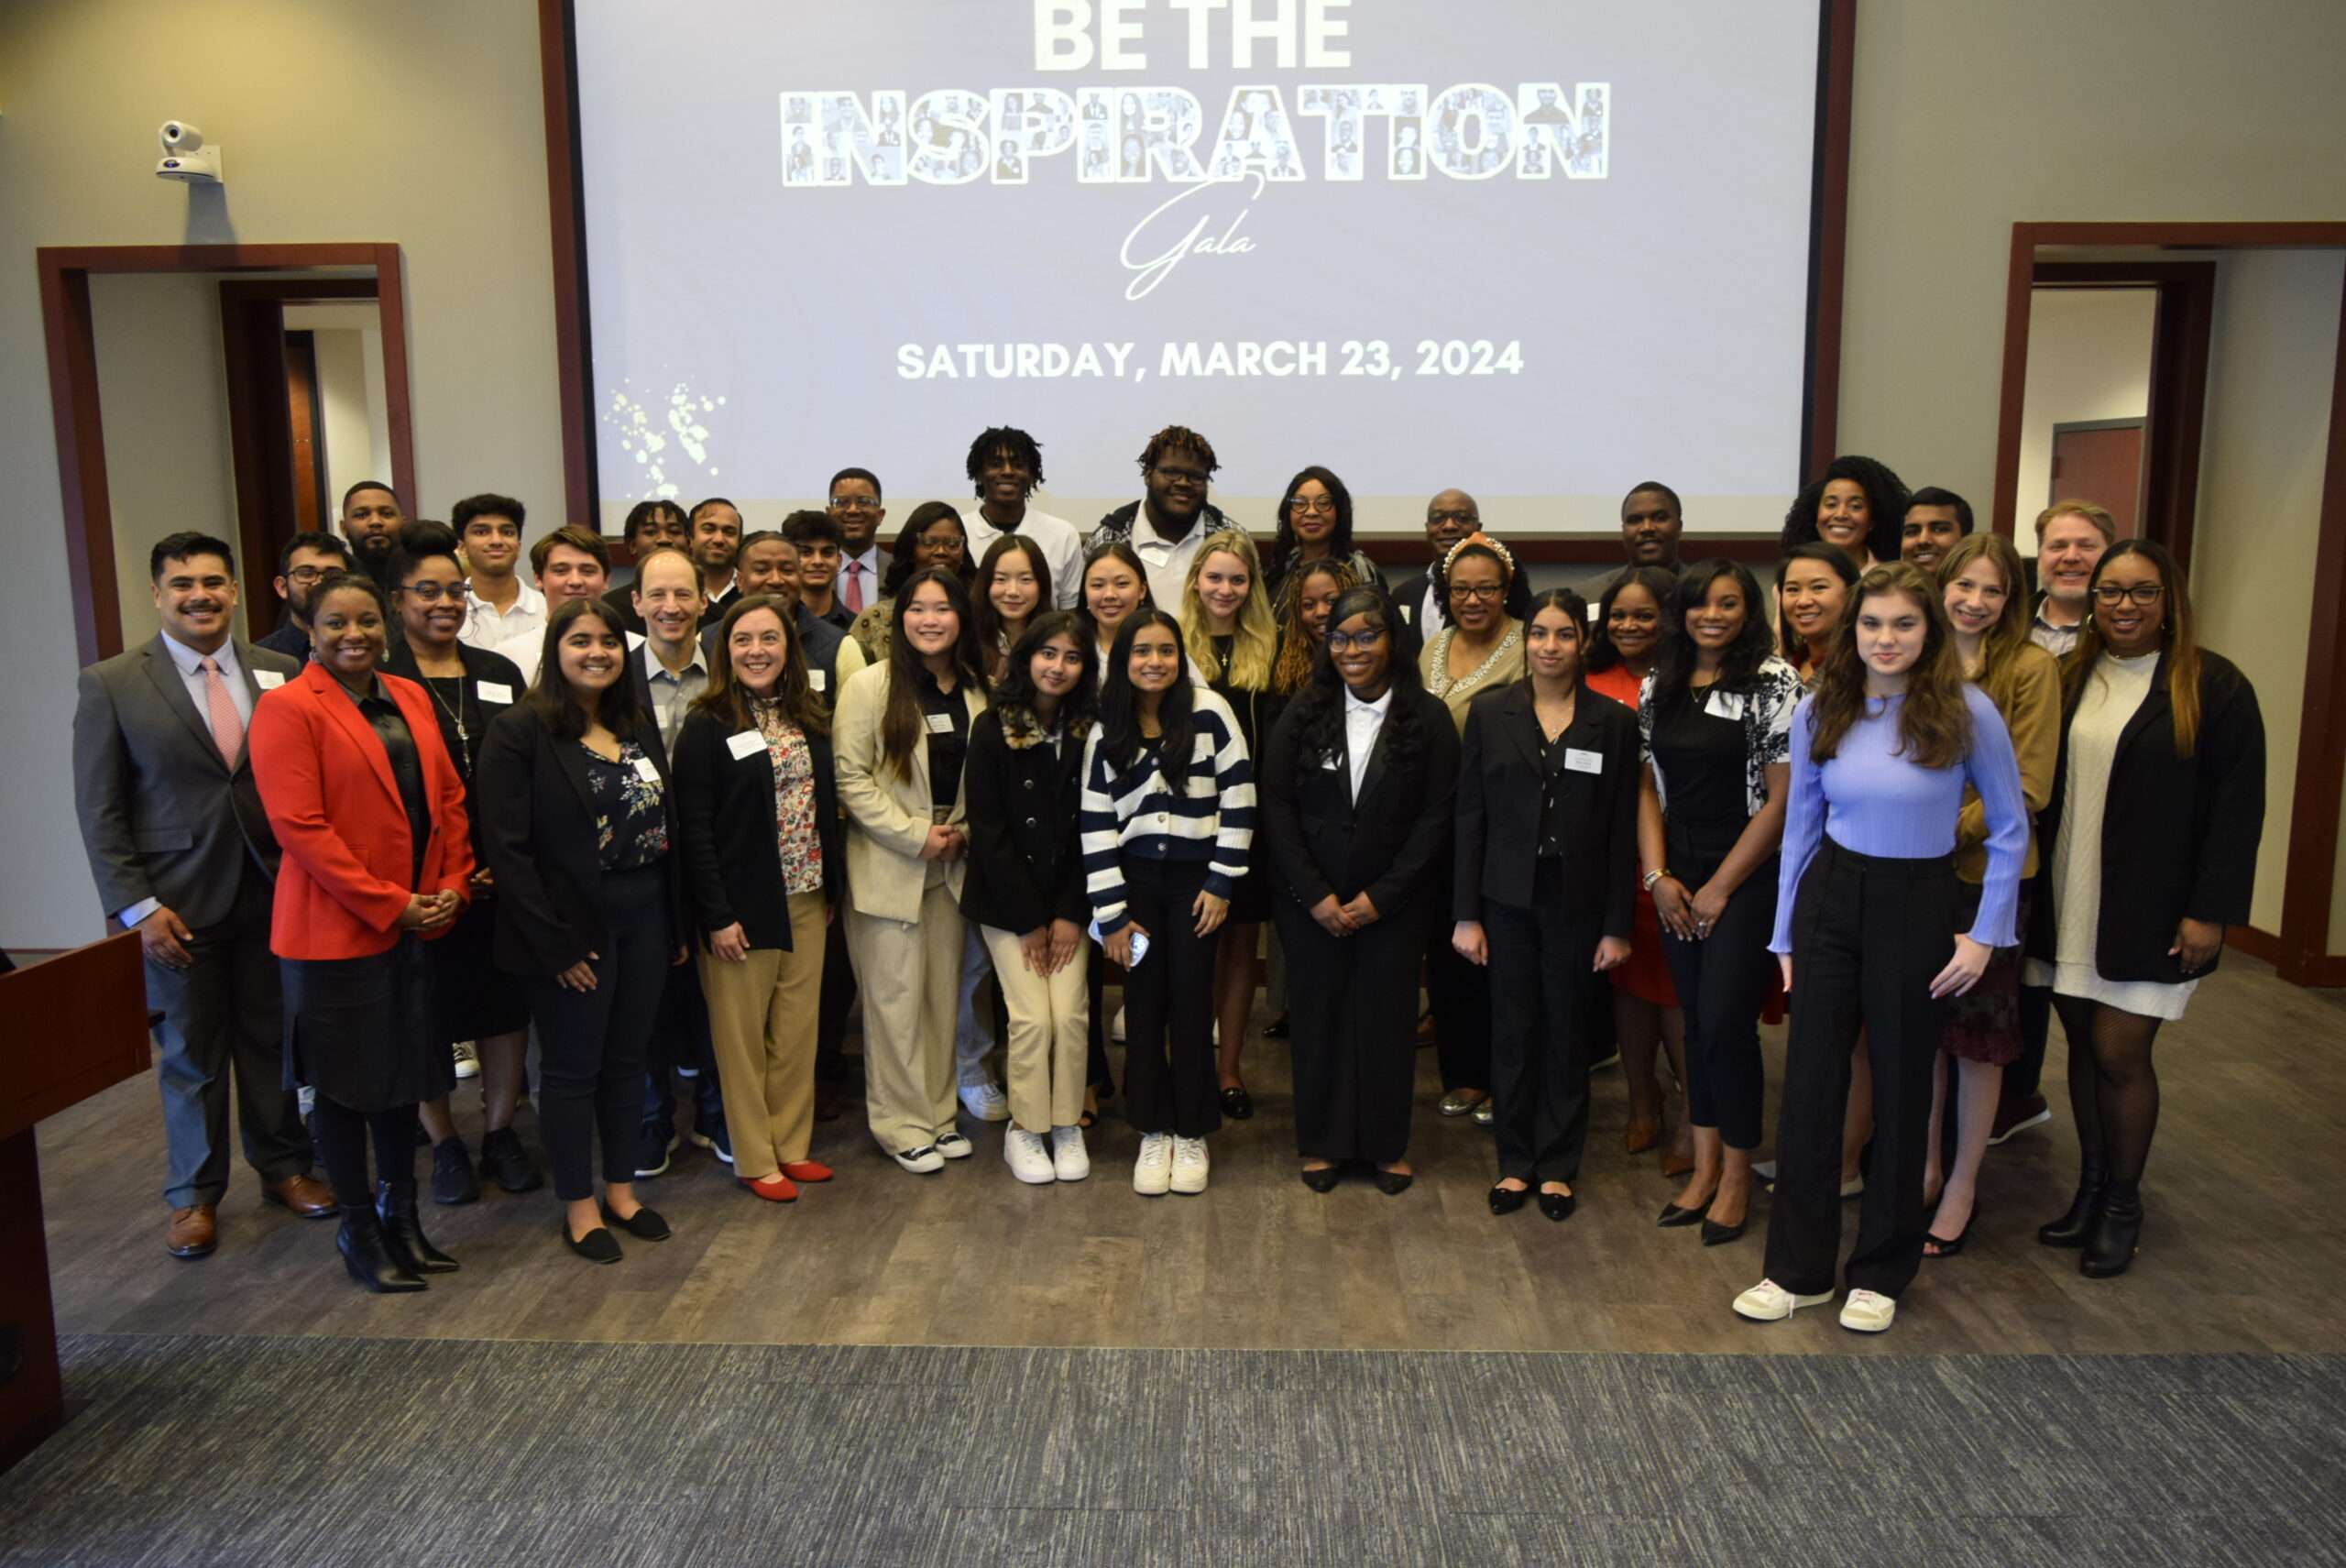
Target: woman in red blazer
<point x="370" y="813"/>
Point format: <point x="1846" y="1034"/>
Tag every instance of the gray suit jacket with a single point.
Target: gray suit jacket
<point x="162" y="817"/>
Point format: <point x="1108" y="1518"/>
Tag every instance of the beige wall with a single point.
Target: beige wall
<point x="2088" y="359"/>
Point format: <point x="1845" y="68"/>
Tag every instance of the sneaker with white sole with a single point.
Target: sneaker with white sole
<point x="1029" y="1157"/>
<point x="986" y="1101"/>
<point x="953" y="1145"/>
<point x="921" y="1161"/>
<point x="1768" y="1302"/>
<point x="1868" y="1312"/>
<point x="1071" y="1161"/>
<point x="1189" y="1166"/>
<point x="467" y="1059"/>
<point x="1153" y="1171"/>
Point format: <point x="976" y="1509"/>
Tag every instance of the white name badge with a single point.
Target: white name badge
<point x="493" y="691"/>
<point x="819" y="679"/>
<point x="749" y="743"/>
<point x="1581" y="762"/>
<point x="268" y="680"/>
<point x="1593" y="608"/>
<point x="1726" y="705"/>
<point x="645" y="771"/>
<point x="940" y="724"/>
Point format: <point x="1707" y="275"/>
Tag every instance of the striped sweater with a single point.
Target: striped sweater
<point x="1213" y="818"/>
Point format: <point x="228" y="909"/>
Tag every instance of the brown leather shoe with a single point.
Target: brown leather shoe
<point x="826" y="1101"/>
<point x="305" y="1195"/>
<point x="194" y="1232"/>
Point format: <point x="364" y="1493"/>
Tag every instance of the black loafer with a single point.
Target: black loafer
<point x="1323" y="1179"/>
<point x="597" y="1245"/>
<point x="1237" y="1104"/>
<point x="1508" y="1200"/>
<point x="646" y="1225"/>
<point x="1393" y="1183"/>
<point x="1558" y="1205"/>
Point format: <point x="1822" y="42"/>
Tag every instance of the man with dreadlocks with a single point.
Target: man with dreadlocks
<point x="1006" y="464"/>
<point x="1165" y="526"/>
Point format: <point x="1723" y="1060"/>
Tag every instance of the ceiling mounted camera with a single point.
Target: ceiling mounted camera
<point x="185" y="158"/>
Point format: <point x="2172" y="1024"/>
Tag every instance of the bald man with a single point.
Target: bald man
<point x="1450" y="517"/>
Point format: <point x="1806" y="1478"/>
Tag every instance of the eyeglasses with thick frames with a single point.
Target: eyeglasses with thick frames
<point x="1435" y="519"/>
<point x="305" y="576"/>
<point x="1183" y="475"/>
<point x="855" y="503"/>
<point x="2143" y="594"/>
<point x="432" y="593"/>
<point x="1346" y="641"/>
<point x="1475" y="590"/>
<point x="1318" y="505"/>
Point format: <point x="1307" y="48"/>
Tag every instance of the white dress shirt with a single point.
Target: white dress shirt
<point x="486" y="626"/>
<point x="1057" y="539"/>
<point x="1166" y="561"/>
<point x="1430" y="613"/>
<point x="1362" y="722"/>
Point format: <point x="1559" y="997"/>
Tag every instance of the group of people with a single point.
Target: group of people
<point x="679" y="827"/>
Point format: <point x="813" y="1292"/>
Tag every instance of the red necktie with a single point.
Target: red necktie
<point x="855" y="586"/>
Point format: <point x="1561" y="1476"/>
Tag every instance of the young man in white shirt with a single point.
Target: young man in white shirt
<point x="715" y="539"/>
<point x="571" y="562"/>
<point x="1167" y="525"/>
<point x="501" y="606"/>
<point x="854" y="504"/>
<point x="1006" y="464"/>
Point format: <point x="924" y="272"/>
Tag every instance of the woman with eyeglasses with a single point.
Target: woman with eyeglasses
<point x="476" y="1000"/>
<point x="2157" y="809"/>
<point x="932" y="536"/>
<point x="1315" y="523"/>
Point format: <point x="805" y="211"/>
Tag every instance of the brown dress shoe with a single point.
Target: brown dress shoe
<point x="305" y="1195"/>
<point x="194" y="1232"/>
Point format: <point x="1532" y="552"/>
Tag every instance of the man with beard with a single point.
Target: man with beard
<point x="2071" y="538"/>
<point x="1167" y="524"/>
<point x="1005" y="466"/>
<point x="1651" y="521"/>
<point x="305" y="558"/>
<point x="1450" y="517"/>
<point x="371" y="515"/>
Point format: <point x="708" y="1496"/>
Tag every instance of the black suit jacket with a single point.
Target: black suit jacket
<point x="537" y="818"/>
<point x="1025" y="865"/>
<point x="1501" y="777"/>
<point x="1388" y="844"/>
<point x="726" y="827"/>
<point x="1409" y="598"/>
<point x="480" y="666"/>
<point x="622" y="602"/>
<point x="2178" y="833"/>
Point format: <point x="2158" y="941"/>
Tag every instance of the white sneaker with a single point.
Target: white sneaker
<point x="468" y="1063"/>
<point x="1768" y="1302"/>
<point x="1189" y="1166"/>
<point x="986" y="1101"/>
<point x="1153" y="1172"/>
<point x="1029" y="1157"/>
<point x="1866" y="1312"/>
<point x="921" y="1161"/>
<point x="1116" y="1028"/>
<point x="1071" y="1161"/>
<point x="953" y="1145"/>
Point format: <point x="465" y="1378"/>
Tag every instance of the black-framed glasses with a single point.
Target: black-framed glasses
<point x="2143" y="594"/>
<point x="1346" y="641"/>
<point x="432" y="593"/>
<point x="1435" y="518"/>
<point x="1322" y="505"/>
<point x="855" y="503"/>
<point x="305" y="576"/>
<point x="1475" y="590"/>
<point x="952" y="542"/>
<point x="1183" y="475"/>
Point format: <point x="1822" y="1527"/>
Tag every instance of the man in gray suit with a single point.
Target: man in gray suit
<point x="182" y="854"/>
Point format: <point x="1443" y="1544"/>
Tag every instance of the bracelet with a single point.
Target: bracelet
<point x="1653" y="877"/>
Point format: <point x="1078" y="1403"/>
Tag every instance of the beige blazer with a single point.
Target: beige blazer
<point x="888" y="819"/>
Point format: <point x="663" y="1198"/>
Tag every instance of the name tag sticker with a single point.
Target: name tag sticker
<point x="492" y="691"/>
<point x="268" y="680"/>
<point x="1594" y="607"/>
<point x="940" y="724"/>
<point x="819" y="679"/>
<point x="1581" y="762"/>
<point x="749" y="743"/>
<point x="646" y="772"/>
<point x="1726" y="705"/>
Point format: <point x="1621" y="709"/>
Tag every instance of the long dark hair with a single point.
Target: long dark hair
<point x="620" y="708"/>
<point x="1092" y="557"/>
<point x="1673" y="666"/>
<point x="981" y="610"/>
<point x="1120" y="736"/>
<point x="1576" y="608"/>
<point x="1600" y="654"/>
<point x="2178" y="635"/>
<point x="1285" y="544"/>
<point x="900" y="720"/>
<point x="901" y="553"/>
<point x="728" y="699"/>
<point x="1013" y="695"/>
<point x="1886" y="497"/>
<point x="1934" y="722"/>
<point x="1320" y="706"/>
<point x="1794" y="645"/>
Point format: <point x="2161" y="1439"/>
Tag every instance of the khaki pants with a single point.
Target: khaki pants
<point x="911" y="979"/>
<point x="761" y="1015"/>
<point x="1050" y="1022"/>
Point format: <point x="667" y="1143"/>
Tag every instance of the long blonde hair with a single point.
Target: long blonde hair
<point x="1254" y="649"/>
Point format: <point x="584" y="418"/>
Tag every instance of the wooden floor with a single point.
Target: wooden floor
<point x="2239" y="1252"/>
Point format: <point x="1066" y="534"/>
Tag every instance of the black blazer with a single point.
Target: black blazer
<point x="480" y="665"/>
<point x="1026" y="866"/>
<point x="537" y="818"/>
<point x="2178" y="834"/>
<point x="820" y="640"/>
<point x="1409" y="598"/>
<point x="726" y="829"/>
<point x="1501" y="777"/>
<point x="1390" y="844"/>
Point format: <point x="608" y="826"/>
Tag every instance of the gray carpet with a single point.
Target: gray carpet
<point x="261" y="1451"/>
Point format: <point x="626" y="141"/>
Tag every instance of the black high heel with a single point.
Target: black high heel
<point x="1672" y="1215"/>
<point x="2070" y="1229"/>
<point x="1949" y="1248"/>
<point x="1716" y="1235"/>
<point x="364" y="1254"/>
<point x="403" y="1236"/>
<point x="2116" y="1237"/>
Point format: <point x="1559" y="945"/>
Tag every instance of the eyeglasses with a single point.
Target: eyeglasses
<point x="305" y="576"/>
<point x="1475" y="591"/>
<point x="432" y="593"/>
<point x="1345" y="642"/>
<point x="1435" y="519"/>
<point x="2144" y="594"/>
<point x="1181" y="475"/>
<point x="855" y="503"/>
<point x="952" y="542"/>
<point x="1315" y="504"/>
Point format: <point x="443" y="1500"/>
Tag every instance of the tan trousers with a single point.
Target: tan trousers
<point x="1050" y="1024"/>
<point x="761" y="1015"/>
<point x="911" y="979"/>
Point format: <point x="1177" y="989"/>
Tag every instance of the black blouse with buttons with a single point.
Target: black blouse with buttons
<point x="949" y="748"/>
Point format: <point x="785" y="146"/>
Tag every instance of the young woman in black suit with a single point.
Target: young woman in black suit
<point x="758" y="821"/>
<point x="1549" y="764"/>
<point x="2157" y="807"/>
<point x="1357" y="790"/>
<point x="576" y="807"/>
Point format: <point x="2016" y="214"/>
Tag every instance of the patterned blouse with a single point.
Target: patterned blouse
<point x="631" y="815"/>
<point x="796" y="835"/>
<point x="1766" y="714"/>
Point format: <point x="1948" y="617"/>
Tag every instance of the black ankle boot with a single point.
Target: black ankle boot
<point x="2115" y="1238"/>
<point x="403" y="1233"/>
<point x="361" y="1244"/>
<point x="2070" y="1229"/>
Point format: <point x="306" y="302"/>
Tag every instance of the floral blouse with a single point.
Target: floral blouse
<point x="797" y="836"/>
<point x="1766" y="714"/>
<point x="631" y="812"/>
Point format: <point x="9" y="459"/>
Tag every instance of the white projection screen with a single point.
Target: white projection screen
<point x="1541" y="251"/>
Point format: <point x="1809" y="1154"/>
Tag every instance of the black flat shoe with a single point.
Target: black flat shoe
<point x="1393" y="1183"/>
<point x="1559" y="1205"/>
<point x="1323" y="1179"/>
<point x="1278" y="1028"/>
<point x="1672" y="1215"/>
<point x="597" y="1245"/>
<point x="1237" y="1104"/>
<point x="504" y="1160"/>
<point x="644" y="1225"/>
<point x="1508" y="1200"/>
<point x="452" y="1177"/>
<point x="1716" y="1235"/>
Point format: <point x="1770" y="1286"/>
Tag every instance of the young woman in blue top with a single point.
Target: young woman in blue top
<point x="1869" y="904"/>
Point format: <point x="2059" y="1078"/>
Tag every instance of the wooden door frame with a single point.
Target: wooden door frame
<point x="68" y="330"/>
<point x="2305" y="951"/>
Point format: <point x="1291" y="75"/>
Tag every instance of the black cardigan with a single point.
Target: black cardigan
<point x="726" y="831"/>
<point x="2178" y="834"/>
<point x="1500" y="780"/>
<point x="1025" y="865"/>
<point x="480" y="665"/>
<point x="537" y="816"/>
<point x="1390" y="844"/>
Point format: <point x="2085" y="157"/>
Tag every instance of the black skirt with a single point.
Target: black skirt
<point x="364" y="1032"/>
<point x="476" y="999"/>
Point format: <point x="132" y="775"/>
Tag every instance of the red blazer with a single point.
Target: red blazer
<point x="326" y="784"/>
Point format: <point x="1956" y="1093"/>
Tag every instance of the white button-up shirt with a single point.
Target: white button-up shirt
<point x="1061" y="544"/>
<point x="486" y="626"/>
<point x="1362" y="722"/>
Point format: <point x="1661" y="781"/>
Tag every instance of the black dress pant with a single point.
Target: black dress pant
<point x="2023" y="1077"/>
<point x="1541" y="974"/>
<point x="1722" y="981"/>
<point x="1353" y="1005"/>
<point x="1869" y="936"/>
<point x="838" y="995"/>
<point x="1460" y="994"/>
<point x="592" y="1043"/>
<point x="1170" y="1085"/>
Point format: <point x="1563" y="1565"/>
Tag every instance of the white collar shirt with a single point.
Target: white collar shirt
<point x="486" y="626"/>
<point x="1363" y="720"/>
<point x="1057" y="539"/>
<point x="1166" y="561"/>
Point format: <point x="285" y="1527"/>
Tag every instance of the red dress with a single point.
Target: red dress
<point x="1646" y="975"/>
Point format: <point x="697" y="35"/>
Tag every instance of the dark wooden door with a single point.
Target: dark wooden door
<point x="306" y="422"/>
<point x="2101" y="461"/>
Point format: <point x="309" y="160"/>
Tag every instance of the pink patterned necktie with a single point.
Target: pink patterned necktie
<point x="855" y="586"/>
<point x="220" y="708"/>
